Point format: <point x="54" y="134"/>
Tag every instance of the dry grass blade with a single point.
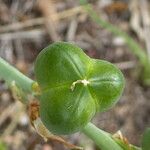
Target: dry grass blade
<point x="30" y="34"/>
<point x="4" y="12"/>
<point x="126" y="65"/>
<point x="146" y="23"/>
<point x="47" y="8"/>
<point x="61" y="140"/>
<point x="136" y="19"/>
<point x="7" y="112"/>
<point x="40" y="21"/>
<point x="72" y="30"/>
<point x="15" y="118"/>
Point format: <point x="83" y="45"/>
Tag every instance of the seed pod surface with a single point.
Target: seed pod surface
<point x="74" y="87"/>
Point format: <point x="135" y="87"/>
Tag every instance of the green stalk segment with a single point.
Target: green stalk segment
<point x="9" y="74"/>
<point x="102" y="139"/>
<point x="134" y="47"/>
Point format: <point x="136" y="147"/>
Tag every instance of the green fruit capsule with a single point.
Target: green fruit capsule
<point x="74" y="87"/>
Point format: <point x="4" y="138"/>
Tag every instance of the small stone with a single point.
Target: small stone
<point x="118" y="41"/>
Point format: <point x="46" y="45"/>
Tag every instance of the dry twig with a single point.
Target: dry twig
<point x="31" y="34"/>
<point x="126" y="65"/>
<point x="72" y="30"/>
<point x="7" y="112"/>
<point x="40" y="21"/>
<point x="47" y="8"/>
<point x="146" y="23"/>
<point x="135" y="18"/>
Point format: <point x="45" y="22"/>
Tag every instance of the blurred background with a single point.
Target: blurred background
<point x="27" y="26"/>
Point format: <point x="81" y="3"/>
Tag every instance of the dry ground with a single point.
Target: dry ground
<point x="27" y="26"/>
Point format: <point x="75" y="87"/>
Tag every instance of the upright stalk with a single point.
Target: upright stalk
<point x="100" y="137"/>
<point x="134" y="47"/>
<point x="9" y="74"/>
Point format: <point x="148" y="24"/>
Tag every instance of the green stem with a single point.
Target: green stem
<point x="134" y="47"/>
<point x="9" y="74"/>
<point x="101" y="138"/>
